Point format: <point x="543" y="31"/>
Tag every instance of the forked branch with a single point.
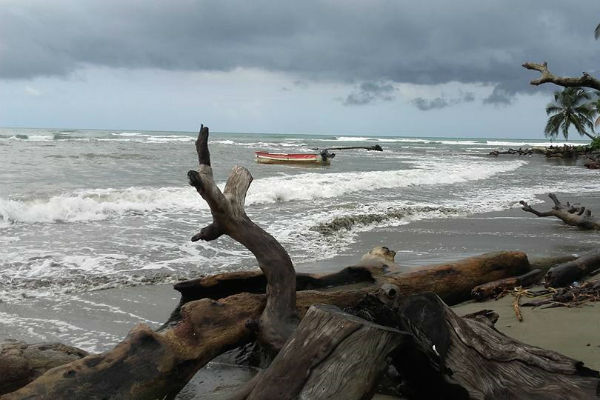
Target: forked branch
<point x="570" y="214"/>
<point x="229" y="217"/>
<point x="585" y="80"/>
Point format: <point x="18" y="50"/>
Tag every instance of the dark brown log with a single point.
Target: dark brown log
<point x="453" y="282"/>
<point x="278" y="319"/>
<point x="586" y="80"/>
<point x="331" y="355"/>
<point x="21" y="363"/>
<point x="456" y="358"/>
<point x="496" y="288"/>
<point x="569" y="272"/>
<point x="570" y="214"/>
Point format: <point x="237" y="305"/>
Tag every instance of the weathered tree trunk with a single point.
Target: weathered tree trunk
<point x="569" y="214"/>
<point x="21" y="363"/>
<point x="496" y="288"/>
<point x="456" y="358"/>
<point x="453" y="282"/>
<point x="332" y="355"/>
<point x="566" y="273"/>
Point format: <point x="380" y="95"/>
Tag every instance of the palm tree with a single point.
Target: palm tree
<point x="570" y="107"/>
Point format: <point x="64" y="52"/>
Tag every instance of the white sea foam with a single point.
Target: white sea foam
<point x="99" y="204"/>
<point x="317" y="186"/>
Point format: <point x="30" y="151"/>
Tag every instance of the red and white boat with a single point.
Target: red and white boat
<point x="322" y="158"/>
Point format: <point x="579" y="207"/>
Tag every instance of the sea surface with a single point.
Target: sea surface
<point x="84" y="210"/>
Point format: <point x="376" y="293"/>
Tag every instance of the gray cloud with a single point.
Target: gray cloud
<point x="379" y="41"/>
<point x="442" y="102"/>
<point x="499" y="96"/>
<point x="369" y="92"/>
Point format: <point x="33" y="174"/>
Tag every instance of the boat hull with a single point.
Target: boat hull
<point x="287" y="158"/>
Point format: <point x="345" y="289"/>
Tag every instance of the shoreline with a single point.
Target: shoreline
<point x="97" y="320"/>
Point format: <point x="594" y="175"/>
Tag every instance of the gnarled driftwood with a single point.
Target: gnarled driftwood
<point x="573" y="215"/>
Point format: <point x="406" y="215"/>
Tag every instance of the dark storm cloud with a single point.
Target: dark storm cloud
<point x="442" y="102"/>
<point x="369" y="92"/>
<point x="372" y="41"/>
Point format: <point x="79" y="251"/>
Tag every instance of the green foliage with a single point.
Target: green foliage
<point x="595" y="145"/>
<point x="571" y="107"/>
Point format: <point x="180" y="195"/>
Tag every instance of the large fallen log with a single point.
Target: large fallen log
<point x="570" y="214"/>
<point x="21" y="363"/>
<point x="566" y="273"/>
<point x="454" y="281"/>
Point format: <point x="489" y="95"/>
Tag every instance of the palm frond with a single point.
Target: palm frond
<point x="597" y="32"/>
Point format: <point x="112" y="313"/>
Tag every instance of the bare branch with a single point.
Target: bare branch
<point x="586" y="80"/>
<point x="569" y="214"/>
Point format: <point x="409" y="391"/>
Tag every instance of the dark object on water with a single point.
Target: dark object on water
<point x="368" y="148"/>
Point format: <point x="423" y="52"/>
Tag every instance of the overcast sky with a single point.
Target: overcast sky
<point x="428" y="68"/>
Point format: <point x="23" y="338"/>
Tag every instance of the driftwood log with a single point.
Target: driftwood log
<point x="573" y="215"/>
<point x="463" y="358"/>
<point x="498" y="288"/>
<point x="566" y="273"/>
<point x="21" y="363"/>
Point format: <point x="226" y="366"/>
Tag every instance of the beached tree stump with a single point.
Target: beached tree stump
<point x="573" y="215"/>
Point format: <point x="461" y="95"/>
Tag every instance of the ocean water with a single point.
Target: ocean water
<point x="83" y="210"/>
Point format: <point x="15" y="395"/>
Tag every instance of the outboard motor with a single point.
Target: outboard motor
<point x="325" y="154"/>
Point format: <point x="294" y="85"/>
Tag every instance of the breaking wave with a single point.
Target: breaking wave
<point x="99" y="204"/>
